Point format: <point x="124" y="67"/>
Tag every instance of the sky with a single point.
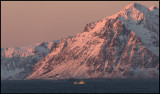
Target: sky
<point x="28" y="22"/>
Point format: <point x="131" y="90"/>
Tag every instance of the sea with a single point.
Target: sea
<point x="90" y="86"/>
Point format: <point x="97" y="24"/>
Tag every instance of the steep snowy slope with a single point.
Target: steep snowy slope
<point x="144" y="22"/>
<point x="123" y="45"/>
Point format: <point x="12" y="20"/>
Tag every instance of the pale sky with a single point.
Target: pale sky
<point x="29" y="22"/>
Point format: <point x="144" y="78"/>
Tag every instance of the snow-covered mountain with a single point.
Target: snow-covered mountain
<point x="123" y="45"/>
<point x="17" y="63"/>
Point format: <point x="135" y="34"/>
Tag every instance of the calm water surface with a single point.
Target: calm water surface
<point x="91" y="86"/>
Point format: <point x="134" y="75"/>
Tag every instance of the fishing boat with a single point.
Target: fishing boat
<point x="80" y="82"/>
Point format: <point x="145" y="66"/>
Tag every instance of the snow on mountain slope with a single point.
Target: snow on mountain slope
<point x="143" y="22"/>
<point x="17" y="63"/>
<point x="117" y="46"/>
<point x="154" y="10"/>
<point x="123" y="45"/>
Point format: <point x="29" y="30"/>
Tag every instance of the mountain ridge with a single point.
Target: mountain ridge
<point x="123" y="45"/>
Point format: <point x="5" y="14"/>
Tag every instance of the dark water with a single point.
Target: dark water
<point x="91" y="86"/>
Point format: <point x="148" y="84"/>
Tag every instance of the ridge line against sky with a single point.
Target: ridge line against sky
<point x="24" y="23"/>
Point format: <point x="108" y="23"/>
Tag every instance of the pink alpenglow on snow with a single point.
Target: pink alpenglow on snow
<point x="123" y="45"/>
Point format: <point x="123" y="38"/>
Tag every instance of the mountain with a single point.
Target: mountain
<point x="17" y="63"/>
<point x="124" y="45"/>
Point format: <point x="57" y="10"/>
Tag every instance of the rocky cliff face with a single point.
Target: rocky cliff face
<point x="123" y="45"/>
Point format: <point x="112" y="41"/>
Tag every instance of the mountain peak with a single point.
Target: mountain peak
<point x="136" y="6"/>
<point x="123" y="45"/>
<point x="133" y="9"/>
<point x="153" y="8"/>
<point x="133" y="5"/>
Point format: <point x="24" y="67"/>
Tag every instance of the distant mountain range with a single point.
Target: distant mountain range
<point x="124" y="45"/>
